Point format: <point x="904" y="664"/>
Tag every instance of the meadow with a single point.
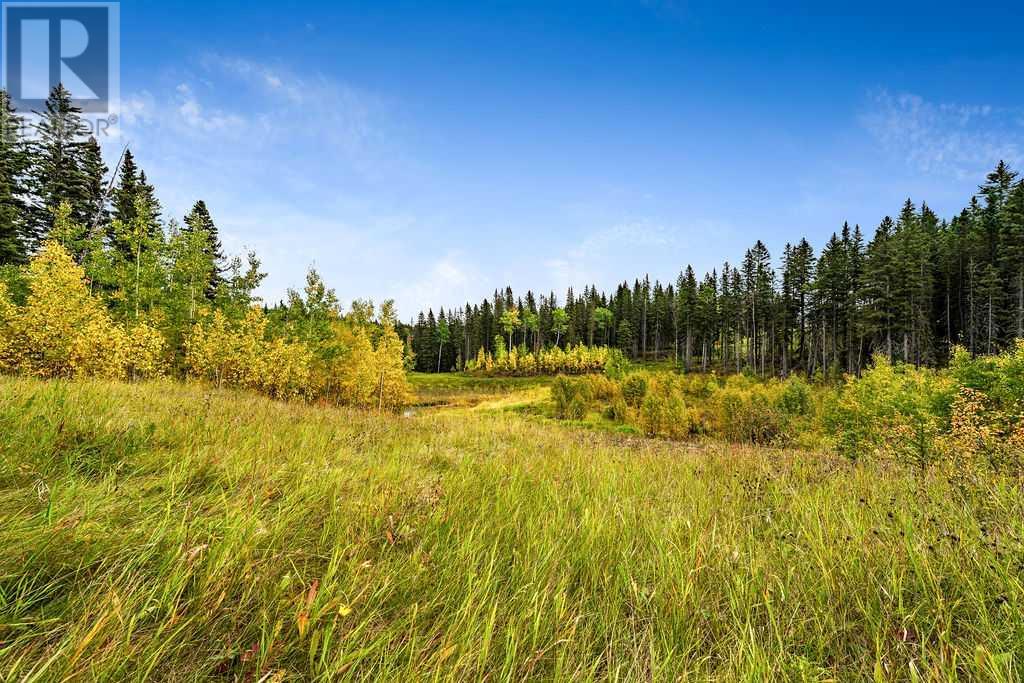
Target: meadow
<point x="161" y="531"/>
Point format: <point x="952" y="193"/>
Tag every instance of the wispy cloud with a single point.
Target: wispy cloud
<point x="962" y="140"/>
<point x="665" y="247"/>
<point x="305" y="170"/>
<point x="193" y="115"/>
<point x="453" y="278"/>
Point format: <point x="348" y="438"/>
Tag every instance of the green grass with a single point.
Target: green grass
<point x="162" y="532"/>
<point x="451" y="390"/>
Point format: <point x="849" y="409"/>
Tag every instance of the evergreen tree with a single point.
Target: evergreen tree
<point x="58" y="165"/>
<point x="13" y="167"/>
<point x="95" y="171"/>
<point x="199" y="220"/>
<point x="127" y="189"/>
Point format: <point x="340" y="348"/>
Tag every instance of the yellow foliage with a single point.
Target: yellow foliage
<point x="374" y="376"/>
<point x="287" y="371"/>
<point x="62" y="330"/>
<point x="663" y="410"/>
<point x="145" y="352"/>
<point x="578" y="360"/>
<point x="235" y="355"/>
<point x="100" y="349"/>
<point x="8" y="313"/>
<point x="366" y="375"/>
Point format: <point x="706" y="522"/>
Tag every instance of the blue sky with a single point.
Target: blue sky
<point x="430" y="152"/>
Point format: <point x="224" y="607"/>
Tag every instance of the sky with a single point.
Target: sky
<point x="432" y="152"/>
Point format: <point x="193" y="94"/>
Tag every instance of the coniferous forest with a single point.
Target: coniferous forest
<point x="910" y="288"/>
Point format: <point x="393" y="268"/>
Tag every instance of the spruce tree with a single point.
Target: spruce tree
<point x="58" y="165"/>
<point x="1012" y="255"/>
<point x="199" y="220"/>
<point x="147" y="193"/>
<point x="127" y="189"/>
<point x="13" y="166"/>
<point x="95" y="171"/>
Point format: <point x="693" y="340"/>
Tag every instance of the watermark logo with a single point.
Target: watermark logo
<point x="76" y="44"/>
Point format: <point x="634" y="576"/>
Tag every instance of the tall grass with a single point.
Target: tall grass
<point x="165" y="533"/>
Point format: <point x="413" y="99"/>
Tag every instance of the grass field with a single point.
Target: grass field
<point x="164" y="532"/>
<point x="458" y="390"/>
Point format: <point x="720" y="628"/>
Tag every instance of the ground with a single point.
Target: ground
<point x="164" y="532"/>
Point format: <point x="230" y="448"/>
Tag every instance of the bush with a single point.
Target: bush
<point x="634" y="389"/>
<point x="746" y="413"/>
<point x="663" y="411"/>
<point x="577" y="408"/>
<point x="616" y="365"/>
<point x="895" y="411"/>
<point x="617" y="410"/>
<point x="795" y="398"/>
<point x="599" y="388"/>
<point x="570" y="398"/>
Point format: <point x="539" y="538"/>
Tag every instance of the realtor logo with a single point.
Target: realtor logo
<point x="51" y="43"/>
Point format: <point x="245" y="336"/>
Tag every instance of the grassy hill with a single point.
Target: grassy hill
<point x="164" y="532"/>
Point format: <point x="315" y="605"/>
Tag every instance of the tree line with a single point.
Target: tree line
<point x="94" y="281"/>
<point x="916" y="288"/>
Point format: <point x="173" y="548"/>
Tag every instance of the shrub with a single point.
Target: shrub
<point x="663" y="411"/>
<point x="747" y="412"/>
<point x="698" y="386"/>
<point x="795" y="398"/>
<point x="570" y="397"/>
<point x="617" y="410"/>
<point x="616" y="365"/>
<point x="634" y="389"/>
<point x="599" y="388"/>
<point x="577" y="409"/>
<point x="892" y="410"/>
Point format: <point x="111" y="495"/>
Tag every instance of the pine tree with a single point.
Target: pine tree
<point x="58" y="165"/>
<point x="13" y="167"/>
<point x="95" y="171"/>
<point x="199" y="220"/>
<point x="127" y="189"/>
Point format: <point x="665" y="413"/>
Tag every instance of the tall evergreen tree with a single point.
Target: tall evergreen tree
<point x="58" y="165"/>
<point x="199" y="220"/>
<point x="13" y="167"/>
<point x="95" y="172"/>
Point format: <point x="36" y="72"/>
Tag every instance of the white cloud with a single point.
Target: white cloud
<point x="962" y="140"/>
<point x="452" y="278"/>
<point x="592" y="256"/>
<point x="195" y="116"/>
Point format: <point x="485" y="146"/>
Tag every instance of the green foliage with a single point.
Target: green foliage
<point x="634" y="389"/>
<point x="893" y="411"/>
<point x="663" y="410"/>
<point x="616" y="366"/>
<point x="617" y="410"/>
<point x="795" y="400"/>
<point x="570" y="397"/>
